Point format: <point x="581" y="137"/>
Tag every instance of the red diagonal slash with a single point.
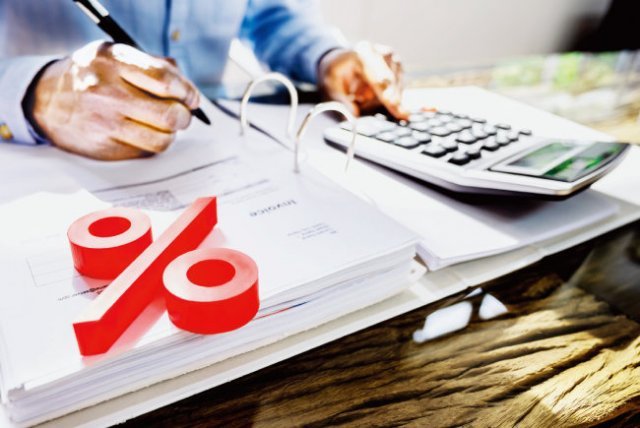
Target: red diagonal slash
<point x="109" y="315"/>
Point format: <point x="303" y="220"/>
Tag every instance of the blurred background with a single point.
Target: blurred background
<point x="575" y="58"/>
<point x="441" y="34"/>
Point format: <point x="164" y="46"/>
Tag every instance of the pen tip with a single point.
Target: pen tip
<point x="200" y="115"/>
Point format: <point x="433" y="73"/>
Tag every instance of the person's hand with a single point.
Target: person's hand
<point x="111" y="101"/>
<point x="365" y="79"/>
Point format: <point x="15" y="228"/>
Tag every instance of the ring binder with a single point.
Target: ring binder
<point x="316" y="110"/>
<point x="293" y="96"/>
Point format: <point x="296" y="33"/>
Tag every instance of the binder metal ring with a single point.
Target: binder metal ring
<point x="318" y="109"/>
<point x="293" y="97"/>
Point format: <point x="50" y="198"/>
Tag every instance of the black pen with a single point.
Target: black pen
<point x="100" y="15"/>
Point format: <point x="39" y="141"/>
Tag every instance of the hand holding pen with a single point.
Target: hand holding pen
<point x="111" y="101"/>
<point x="99" y="14"/>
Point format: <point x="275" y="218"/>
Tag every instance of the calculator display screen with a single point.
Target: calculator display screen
<point x="543" y="157"/>
<point x="588" y="160"/>
<point x="564" y="161"/>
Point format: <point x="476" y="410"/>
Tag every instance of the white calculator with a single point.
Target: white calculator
<point x="469" y="155"/>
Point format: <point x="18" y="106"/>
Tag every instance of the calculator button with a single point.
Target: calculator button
<point x="370" y="126"/>
<point x="502" y="140"/>
<point x="440" y="131"/>
<point x="474" y="152"/>
<point x="491" y="145"/>
<point x="434" y="150"/>
<point x="435" y="122"/>
<point x="387" y="137"/>
<point x="417" y="117"/>
<point x="445" y="119"/>
<point x="450" y="146"/>
<point x="478" y="120"/>
<point x="490" y="129"/>
<point x="453" y="127"/>
<point x="525" y="132"/>
<point x="461" y="116"/>
<point x="419" y="126"/>
<point x="460" y="158"/>
<point x="503" y="126"/>
<point x="479" y="134"/>
<point x="513" y="135"/>
<point x="402" y="131"/>
<point x="465" y="123"/>
<point x="423" y="137"/>
<point x="407" y="142"/>
<point x="466" y="138"/>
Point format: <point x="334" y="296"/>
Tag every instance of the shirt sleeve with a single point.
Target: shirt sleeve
<point x="16" y="75"/>
<point x="288" y="35"/>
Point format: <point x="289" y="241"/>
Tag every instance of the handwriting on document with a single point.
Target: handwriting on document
<point x="210" y="290"/>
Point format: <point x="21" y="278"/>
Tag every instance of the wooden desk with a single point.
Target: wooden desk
<point x="564" y="355"/>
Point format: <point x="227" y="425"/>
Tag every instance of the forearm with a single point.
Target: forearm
<point x="16" y="75"/>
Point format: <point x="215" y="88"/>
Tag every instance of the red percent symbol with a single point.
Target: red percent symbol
<point x="110" y="314"/>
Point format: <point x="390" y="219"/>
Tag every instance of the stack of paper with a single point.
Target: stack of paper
<point x="321" y="254"/>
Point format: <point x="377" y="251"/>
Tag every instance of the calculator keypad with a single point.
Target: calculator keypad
<point x="454" y="138"/>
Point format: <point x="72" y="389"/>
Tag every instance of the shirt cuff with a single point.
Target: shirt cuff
<point x="314" y="54"/>
<point x="16" y="75"/>
<point x="327" y="58"/>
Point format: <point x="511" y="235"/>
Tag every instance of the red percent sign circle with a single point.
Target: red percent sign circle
<point x="211" y="290"/>
<point x="206" y="291"/>
<point x="105" y="242"/>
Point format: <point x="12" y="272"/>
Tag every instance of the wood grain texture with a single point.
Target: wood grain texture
<point x="561" y="356"/>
